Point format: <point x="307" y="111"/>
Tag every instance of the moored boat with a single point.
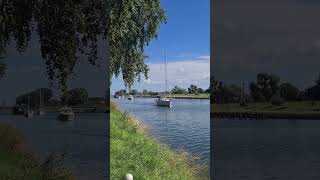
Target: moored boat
<point x="66" y="114"/>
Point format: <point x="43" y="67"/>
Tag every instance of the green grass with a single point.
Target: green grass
<point x="17" y="164"/>
<point x="132" y="151"/>
<point x="201" y="96"/>
<point x="289" y="110"/>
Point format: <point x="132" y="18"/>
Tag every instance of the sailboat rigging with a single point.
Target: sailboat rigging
<point x="163" y="100"/>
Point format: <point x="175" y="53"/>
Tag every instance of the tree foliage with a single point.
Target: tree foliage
<point x="77" y="96"/>
<point x="69" y="29"/>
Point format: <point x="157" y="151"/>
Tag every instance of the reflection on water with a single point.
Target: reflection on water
<point x="266" y="149"/>
<point x="185" y="125"/>
<point x="84" y="140"/>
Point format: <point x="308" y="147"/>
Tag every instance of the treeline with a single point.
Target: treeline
<point x="193" y="89"/>
<point x="74" y="97"/>
<point x="266" y="88"/>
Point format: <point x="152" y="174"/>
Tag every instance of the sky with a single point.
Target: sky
<point x="273" y="36"/>
<point x="186" y="37"/>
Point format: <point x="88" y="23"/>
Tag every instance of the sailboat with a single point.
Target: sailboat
<point x="40" y="111"/>
<point x="66" y="114"/>
<point x="28" y="113"/>
<point x="163" y="100"/>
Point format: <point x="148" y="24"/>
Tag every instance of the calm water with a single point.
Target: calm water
<point x="266" y="149"/>
<point x="84" y="139"/>
<point x="186" y="125"/>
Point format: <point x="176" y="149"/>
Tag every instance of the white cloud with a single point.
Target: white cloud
<point x="180" y="72"/>
<point x="203" y="57"/>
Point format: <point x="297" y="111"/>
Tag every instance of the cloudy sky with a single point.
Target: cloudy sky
<point x="186" y="37"/>
<point x="274" y="36"/>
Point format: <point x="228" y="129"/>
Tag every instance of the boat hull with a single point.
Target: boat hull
<point x="164" y="103"/>
<point x="28" y="115"/>
<point x="41" y="113"/>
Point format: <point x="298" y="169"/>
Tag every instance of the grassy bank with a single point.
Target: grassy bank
<point x="190" y="96"/>
<point x="289" y="110"/>
<point x="17" y="164"/>
<point x="132" y="151"/>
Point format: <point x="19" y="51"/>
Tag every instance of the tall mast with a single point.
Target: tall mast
<point x="165" y="65"/>
<point x="28" y="102"/>
<point x="40" y="103"/>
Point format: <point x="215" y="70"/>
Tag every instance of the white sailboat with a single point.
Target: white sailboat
<point x="130" y="97"/>
<point x="28" y="113"/>
<point x="66" y="114"/>
<point x="163" y="100"/>
<point x="41" y="110"/>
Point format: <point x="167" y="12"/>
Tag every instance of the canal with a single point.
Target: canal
<point x="266" y="149"/>
<point x="185" y="126"/>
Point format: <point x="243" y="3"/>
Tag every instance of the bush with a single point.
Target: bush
<point x="276" y="100"/>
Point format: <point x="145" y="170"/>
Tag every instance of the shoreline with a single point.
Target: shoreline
<point x="163" y="162"/>
<point x="174" y="97"/>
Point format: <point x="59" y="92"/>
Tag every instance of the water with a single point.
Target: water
<point x="84" y="139"/>
<point x="184" y="126"/>
<point x="266" y="149"/>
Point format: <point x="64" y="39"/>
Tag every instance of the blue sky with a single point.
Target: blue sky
<point x="186" y="36"/>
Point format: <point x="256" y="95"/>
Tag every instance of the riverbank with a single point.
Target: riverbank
<point x="132" y="151"/>
<point x="17" y="163"/>
<point x="289" y="110"/>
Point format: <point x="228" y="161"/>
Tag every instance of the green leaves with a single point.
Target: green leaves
<point x="71" y="28"/>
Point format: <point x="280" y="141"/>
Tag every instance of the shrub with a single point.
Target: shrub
<point x="276" y="100"/>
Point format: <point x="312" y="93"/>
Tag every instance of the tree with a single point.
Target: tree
<point x="200" y="90"/>
<point x="69" y="29"/>
<point x="133" y="92"/>
<point x="289" y="92"/>
<point x="77" y="96"/>
<point x="145" y="92"/>
<point x="34" y="97"/>
<point x="192" y="89"/>
<point x="178" y="90"/>
<point x="266" y="86"/>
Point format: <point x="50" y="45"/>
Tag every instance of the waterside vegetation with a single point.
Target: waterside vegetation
<point x="17" y="163"/>
<point x="132" y="151"/>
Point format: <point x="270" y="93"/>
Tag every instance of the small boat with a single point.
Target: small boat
<point x="116" y="96"/>
<point x="66" y="114"/>
<point x="28" y="114"/>
<point x="130" y="97"/>
<point x="163" y="101"/>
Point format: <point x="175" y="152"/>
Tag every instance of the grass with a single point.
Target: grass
<point x="200" y="96"/>
<point x="132" y="151"/>
<point x="17" y="164"/>
<point x="291" y="110"/>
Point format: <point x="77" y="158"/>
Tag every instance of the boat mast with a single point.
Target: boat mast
<point x="165" y="65"/>
<point x="40" y="103"/>
<point x="28" y="102"/>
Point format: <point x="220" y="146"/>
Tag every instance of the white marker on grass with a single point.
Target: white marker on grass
<point x="129" y="177"/>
